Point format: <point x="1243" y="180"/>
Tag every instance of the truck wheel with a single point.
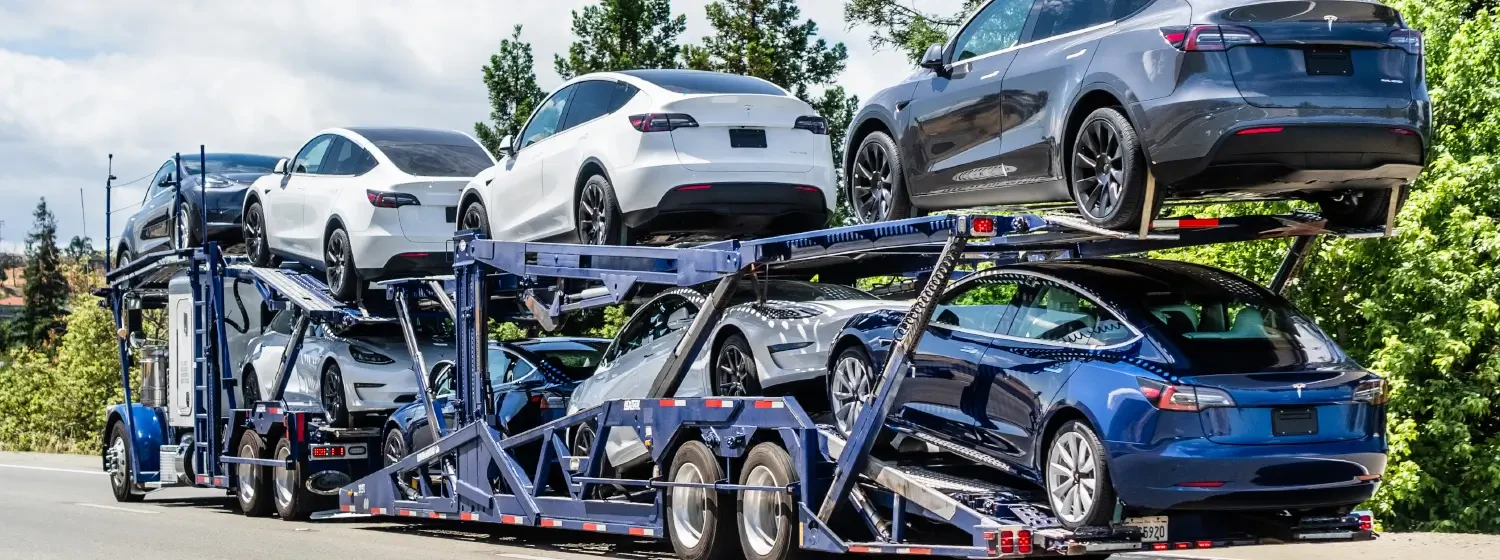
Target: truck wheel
<point x="117" y="456"/>
<point x="1078" y="484"/>
<point x="697" y="527"/>
<point x="254" y="489"/>
<point x="767" y="520"/>
<point x="293" y="502"/>
<point x="335" y="401"/>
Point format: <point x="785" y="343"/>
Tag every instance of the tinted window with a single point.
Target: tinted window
<point x="696" y="81"/>
<point x="544" y="122"/>
<point x="1313" y="12"/>
<point x="997" y="27"/>
<point x="623" y="93"/>
<point x="661" y="318"/>
<point x="1056" y="314"/>
<point x="500" y="364"/>
<point x="1237" y="329"/>
<point x="1056" y="17"/>
<point x="230" y="163"/>
<point x="979" y="305"/>
<point x="578" y="365"/>
<point x="282" y="323"/>
<point x="345" y="157"/>
<point x="590" y="101"/>
<point x="436" y="160"/>
<point x="310" y="159"/>
<point x="167" y="171"/>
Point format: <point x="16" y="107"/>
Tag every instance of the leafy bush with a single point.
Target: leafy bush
<point x="52" y="398"/>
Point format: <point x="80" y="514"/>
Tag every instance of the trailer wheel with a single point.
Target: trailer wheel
<point x="697" y="527"/>
<point x="1078" y="485"/>
<point x="766" y="520"/>
<point x="117" y="456"/>
<point x="254" y="489"/>
<point x="335" y="401"/>
<point x="292" y="500"/>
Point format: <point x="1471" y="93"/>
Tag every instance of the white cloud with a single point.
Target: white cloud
<point x="80" y="79"/>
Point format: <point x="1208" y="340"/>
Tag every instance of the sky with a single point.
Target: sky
<point x="81" y="79"/>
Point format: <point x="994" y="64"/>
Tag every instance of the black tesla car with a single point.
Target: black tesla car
<point x="1037" y="101"/>
<point x="152" y="228"/>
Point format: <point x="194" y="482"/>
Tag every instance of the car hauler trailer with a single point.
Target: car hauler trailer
<point x="760" y="471"/>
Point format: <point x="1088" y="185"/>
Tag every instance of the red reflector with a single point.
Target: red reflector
<point x="414" y="255"/>
<point x="1007" y="542"/>
<point x="1403" y="132"/>
<point x="1183" y="545"/>
<point x="1159" y="546"/>
<point x="1367" y="478"/>
<point x="1261" y="130"/>
<point x="1203" y="484"/>
<point x="984" y="225"/>
<point x="1174" y="37"/>
<point x="693" y="187"/>
<point x="320" y="452"/>
<point x="1198" y="223"/>
<point x="1023" y="542"/>
<point x="808" y="189"/>
<point x="1205" y="544"/>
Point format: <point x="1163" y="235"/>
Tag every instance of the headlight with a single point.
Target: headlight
<point x="367" y="356"/>
<point x="217" y="183"/>
<point x="1372" y="391"/>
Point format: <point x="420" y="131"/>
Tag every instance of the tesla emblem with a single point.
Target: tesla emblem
<point x="1299" y="387"/>
<point x="1330" y="20"/>
<point x="749" y="107"/>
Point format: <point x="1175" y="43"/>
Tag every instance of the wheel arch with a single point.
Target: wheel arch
<point x="591" y="166"/>
<point x="1092" y="98"/>
<point x="871" y="122"/>
<point x="469" y="196"/>
<point x="334" y="222"/>
<point x="1055" y="420"/>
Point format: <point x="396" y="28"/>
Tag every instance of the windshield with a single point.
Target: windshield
<point x="1239" y="331"/>
<point x="230" y="163"/>
<point x="428" y="328"/>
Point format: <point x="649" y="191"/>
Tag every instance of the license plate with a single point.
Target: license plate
<point x="1329" y="62"/>
<point x="747" y="138"/>
<point x="1153" y="529"/>
<point x="1294" y="421"/>
<point x="451" y="214"/>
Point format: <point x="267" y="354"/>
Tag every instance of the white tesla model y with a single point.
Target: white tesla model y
<point x="641" y="155"/>
<point x="364" y="204"/>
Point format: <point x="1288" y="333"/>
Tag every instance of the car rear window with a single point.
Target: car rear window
<point x="1316" y="12"/>
<point x="1238" y="331"/>
<point x="436" y="160"/>
<point x="699" y="82"/>
<point x="577" y="364"/>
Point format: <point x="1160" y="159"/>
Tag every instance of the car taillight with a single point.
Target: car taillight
<point x="661" y="122"/>
<point x="381" y="199"/>
<point x="815" y="125"/>
<point x="1371" y="391"/>
<point x="1209" y="37"/>
<point x="1410" y="40"/>
<point x="1184" y="398"/>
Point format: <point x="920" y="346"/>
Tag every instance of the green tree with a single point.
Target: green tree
<point x="896" y="24"/>
<point x="511" y="81"/>
<point x="622" y="35"/>
<point x="46" y="290"/>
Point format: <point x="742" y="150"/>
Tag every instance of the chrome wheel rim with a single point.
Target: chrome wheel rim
<point x="119" y="466"/>
<point x="762" y="511"/>
<point x="851" y="391"/>
<point x="735" y="370"/>
<point x="286" y="479"/>
<point x="337" y="260"/>
<point x="593" y="219"/>
<point x="333" y="394"/>
<point x="252" y="232"/>
<point x="249" y="475"/>
<point x="689" y="506"/>
<point x="1072" y="477"/>
<point x="870" y="184"/>
<point x="1099" y="170"/>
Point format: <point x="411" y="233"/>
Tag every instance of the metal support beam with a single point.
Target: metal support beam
<point x="871" y="419"/>
<point x="1291" y="265"/>
<point x="289" y="357"/>
<point x="409" y="334"/>
<point x="670" y="377"/>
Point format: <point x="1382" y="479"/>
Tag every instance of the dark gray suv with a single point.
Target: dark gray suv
<point x="1038" y="101"/>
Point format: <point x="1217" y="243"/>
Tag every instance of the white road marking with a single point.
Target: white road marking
<point x="524" y="556"/>
<point x="115" y="508"/>
<point x="51" y="469"/>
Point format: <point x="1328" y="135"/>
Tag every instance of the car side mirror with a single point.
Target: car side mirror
<point x="507" y="146"/>
<point x="280" y="168"/>
<point x="933" y="59"/>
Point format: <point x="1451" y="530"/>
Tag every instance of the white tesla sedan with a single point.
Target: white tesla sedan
<point x="364" y="204"/>
<point x="623" y="157"/>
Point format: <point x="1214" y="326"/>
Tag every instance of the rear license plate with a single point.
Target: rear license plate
<point x="451" y="214"/>
<point x="1329" y="62"/>
<point x="747" y="138"/>
<point x="1153" y="529"/>
<point x="1299" y="421"/>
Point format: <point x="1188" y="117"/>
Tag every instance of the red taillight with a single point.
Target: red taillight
<point x="1409" y="40"/>
<point x="661" y="122"/>
<point x="415" y="255"/>
<point x="1260" y="130"/>
<point x="1023" y="542"/>
<point x="1159" y="546"/>
<point x="1366" y="523"/>
<point x="1202" y="484"/>
<point x="1182" y="398"/>
<point x="1205" y="544"/>
<point x="382" y="199"/>
<point x="808" y="188"/>
<point x="982" y="226"/>
<point x="1007" y="542"/>
<point x="693" y="187"/>
<point x="1403" y="132"/>
<point x="1214" y="37"/>
<point x="325" y="452"/>
<point x="814" y="124"/>
<point x="1174" y="35"/>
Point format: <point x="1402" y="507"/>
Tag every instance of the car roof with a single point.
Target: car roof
<point x="413" y="135"/>
<point x="1124" y="280"/>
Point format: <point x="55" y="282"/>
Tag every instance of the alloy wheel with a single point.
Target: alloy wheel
<point x="1072" y="477"/>
<point x="593" y="215"/>
<point x="336" y="262"/>
<point x="333" y="394"/>
<point x="394" y="449"/>
<point x="184" y="239"/>
<point x="871" y="188"/>
<point x="252" y="234"/>
<point x="471" y="218"/>
<point x="689" y="506"/>
<point x="851" y="391"/>
<point x="1099" y="169"/>
<point x="735" y="370"/>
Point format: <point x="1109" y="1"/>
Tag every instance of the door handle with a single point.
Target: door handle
<point x="969" y="350"/>
<point x="990" y="75"/>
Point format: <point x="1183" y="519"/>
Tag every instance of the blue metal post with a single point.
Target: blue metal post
<point x="177" y="203"/>
<point x="108" y="188"/>
<point x="220" y="339"/>
<point x="118" y="305"/>
<point x="203" y="192"/>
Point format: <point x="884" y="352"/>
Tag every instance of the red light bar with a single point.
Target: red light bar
<point x="1202" y="484"/>
<point x="983" y="225"/>
<point x="808" y="188"/>
<point x="693" y="188"/>
<point x="1183" y="545"/>
<point x="1261" y="130"/>
<point x="1205" y="544"/>
<point x="1185" y="223"/>
<point x="325" y="452"/>
<point x="1159" y="546"/>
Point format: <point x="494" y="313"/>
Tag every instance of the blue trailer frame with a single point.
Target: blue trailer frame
<point x="474" y="473"/>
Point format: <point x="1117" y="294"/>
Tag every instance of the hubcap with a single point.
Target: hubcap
<point x="689" y="506"/>
<point x="336" y="262"/>
<point x="851" y="391"/>
<point x="1072" y="477"/>
<point x="593" y="219"/>
<point x="286" y="479"/>
<point x="119" y="467"/>
<point x="762" y="511"/>
<point x="249" y="475"/>
<point x="870" y="184"/>
<point x="735" y="370"/>
<point x="1099" y="170"/>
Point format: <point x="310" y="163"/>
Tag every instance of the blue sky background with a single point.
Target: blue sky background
<point x="81" y="79"/>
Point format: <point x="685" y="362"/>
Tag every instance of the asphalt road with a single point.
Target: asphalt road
<point x="58" y="507"/>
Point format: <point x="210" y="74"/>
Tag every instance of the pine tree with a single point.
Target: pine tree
<point x="511" y="81"/>
<point x="622" y="35"/>
<point x="767" y="39"/>
<point x="46" y="290"/>
<point x="897" y="24"/>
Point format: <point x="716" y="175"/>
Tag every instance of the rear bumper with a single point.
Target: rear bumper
<point x="735" y="208"/>
<point x="411" y="264"/>
<point x="1254" y="477"/>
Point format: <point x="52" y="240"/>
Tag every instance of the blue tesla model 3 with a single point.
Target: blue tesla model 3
<point x="1160" y="385"/>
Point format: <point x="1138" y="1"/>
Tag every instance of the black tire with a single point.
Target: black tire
<point x="696" y="524"/>
<point x="877" y="185"/>
<point x="597" y="214"/>
<point x="1107" y="171"/>
<point x="394" y="447"/>
<point x="254" y="230"/>
<point x="332" y="396"/>
<point x="338" y="258"/>
<point x="187" y="228"/>
<point x="1362" y="208"/>
<point x="294" y="502"/>
<point x="254" y="482"/>
<point x="767" y="522"/>
<point x="475" y="217"/>
<point x="844" y="385"/>
<point x="123" y="257"/>
<point x="121" y="477"/>
<point x="1074" y="453"/>
<point x="250" y="387"/>
<point x="735" y="373"/>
